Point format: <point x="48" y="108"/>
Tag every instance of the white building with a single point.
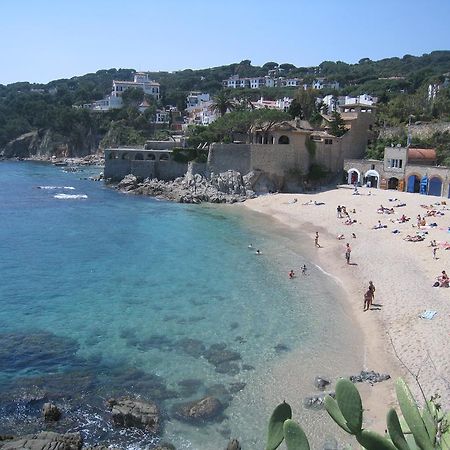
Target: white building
<point x="195" y="99"/>
<point x="322" y="83"/>
<point x="282" y="104"/>
<point x="141" y="81"/>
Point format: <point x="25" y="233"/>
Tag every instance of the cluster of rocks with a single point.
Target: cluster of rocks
<point x="370" y="377"/>
<point x="321" y="383"/>
<point x="226" y="187"/>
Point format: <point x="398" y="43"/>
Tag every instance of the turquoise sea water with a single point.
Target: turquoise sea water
<point x="115" y="295"/>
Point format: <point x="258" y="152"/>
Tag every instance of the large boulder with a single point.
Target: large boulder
<point x="204" y="410"/>
<point x="51" y="412"/>
<point x="129" y="413"/>
<point x="46" y="440"/>
<point x="128" y="183"/>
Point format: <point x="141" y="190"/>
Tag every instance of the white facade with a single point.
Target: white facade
<point x="141" y="81"/>
<point x="195" y="99"/>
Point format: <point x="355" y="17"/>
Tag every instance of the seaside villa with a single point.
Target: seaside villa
<point x="284" y="154"/>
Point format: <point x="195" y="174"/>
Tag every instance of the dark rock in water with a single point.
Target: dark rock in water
<point x="38" y="351"/>
<point x="118" y="381"/>
<point x="233" y="445"/>
<point x="189" y="387"/>
<point x="369" y="377"/>
<point x="51" y="412"/>
<point x="221" y="392"/>
<point x="44" y="441"/>
<point x="321" y="383"/>
<point x="165" y="446"/>
<point x="247" y="367"/>
<point x="228" y="367"/>
<point x="198" y="411"/>
<point x="130" y="413"/>
<point x="317" y="401"/>
<point x="101" y="447"/>
<point x="281" y="348"/>
<point x="234" y="325"/>
<point x="237" y="387"/>
<point x="192" y="347"/>
<point x="218" y="354"/>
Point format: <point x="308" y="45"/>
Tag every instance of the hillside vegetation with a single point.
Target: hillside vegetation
<point x="400" y="83"/>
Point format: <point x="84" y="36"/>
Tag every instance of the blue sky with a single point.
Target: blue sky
<point x="43" y="40"/>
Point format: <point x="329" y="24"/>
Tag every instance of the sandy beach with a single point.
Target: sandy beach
<point x="396" y="340"/>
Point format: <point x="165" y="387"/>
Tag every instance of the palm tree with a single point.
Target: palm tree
<point x="223" y="102"/>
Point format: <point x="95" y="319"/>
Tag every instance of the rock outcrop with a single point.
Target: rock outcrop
<point x="47" y="143"/>
<point x="226" y="187"/>
<point x="51" y="412"/>
<point x="45" y="440"/>
<point x="129" y="412"/>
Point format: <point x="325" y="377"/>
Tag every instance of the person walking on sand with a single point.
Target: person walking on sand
<point x="316" y="240"/>
<point x="304" y="269"/>
<point x="372" y="290"/>
<point x="367" y="300"/>
<point x="348" y="251"/>
<point x="338" y="210"/>
<point x="434" y="253"/>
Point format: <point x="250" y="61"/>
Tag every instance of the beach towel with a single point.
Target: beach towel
<point x="428" y="314"/>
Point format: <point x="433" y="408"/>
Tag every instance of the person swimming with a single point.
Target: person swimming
<point x="291" y="274"/>
<point x="257" y="252"/>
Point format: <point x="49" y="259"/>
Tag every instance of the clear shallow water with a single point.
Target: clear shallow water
<point x="112" y="294"/>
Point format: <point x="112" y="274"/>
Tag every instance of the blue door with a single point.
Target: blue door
<point x="411" y="184"/>
<point x="435" y="187"/>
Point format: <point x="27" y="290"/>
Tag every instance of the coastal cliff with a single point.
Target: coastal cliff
<point x="47" y="143"/>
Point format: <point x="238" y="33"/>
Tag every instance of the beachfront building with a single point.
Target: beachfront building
<point x="404" y="169"/>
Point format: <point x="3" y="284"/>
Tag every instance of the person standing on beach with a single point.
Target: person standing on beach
<point x="372" y="291"/>
<point x="338" y="210"/>
<point x="367" y="300"/>
<point x="348" y="251"/>
<point x="304" y="269"/>
<point x="316" y="240"/>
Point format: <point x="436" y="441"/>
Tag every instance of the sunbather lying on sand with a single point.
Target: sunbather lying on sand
<point x="410" y="238"/>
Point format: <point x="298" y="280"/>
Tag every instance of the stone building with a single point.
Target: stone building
<point x="284" y="152"/>
<point x="403" y="169"/>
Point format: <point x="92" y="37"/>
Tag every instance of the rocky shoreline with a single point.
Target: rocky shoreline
<point x="226" y="187"/>
<point x="145" y="415"/>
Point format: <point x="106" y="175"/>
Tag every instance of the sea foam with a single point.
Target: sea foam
<point x="70" y="196"/>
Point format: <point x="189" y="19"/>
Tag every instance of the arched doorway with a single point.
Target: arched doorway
<point x="372" y="178"/>
<point x="283" y="139"/>
<point x="393" y="183"/>
<point x="413" y="184"/>
<point x="435" y="186"/>
<point x="353" y="176"/>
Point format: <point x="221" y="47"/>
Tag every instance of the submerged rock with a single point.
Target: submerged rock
<point x="233" y="444"/>
<point x="129" y="413"/>
<point x="197" y="411"/>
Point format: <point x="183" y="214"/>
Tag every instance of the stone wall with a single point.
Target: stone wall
<point x="142" y="163"/>
<point x="223" y="157"/>
<point x="423" y="130"/>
